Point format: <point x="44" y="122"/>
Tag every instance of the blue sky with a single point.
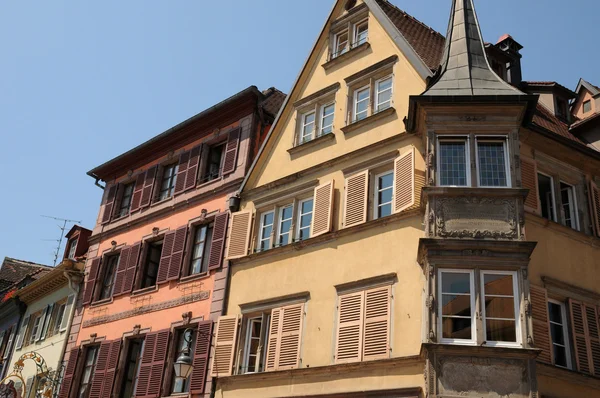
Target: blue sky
<point x="82" y="82"/>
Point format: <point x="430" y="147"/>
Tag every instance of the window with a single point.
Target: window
<point x="58" y="316"/>
<point x="125" y="203"/>
<point x="557" y="316"/>
<point x="361" y="33"/>
<point x="132" y="367"/>
<point x="546" y="193"/>
<point x="316" y="122"/>
<point x="284" y="229"/>
<point x="305" y="211"/>
<point x="587" y="106"/>
<point x="361" y="103"/>
<point x="456" y="306"/>
<point x="254" y="344"/>
<point x="266" y="228"/>
<point x="201" y="249"/>
<point x="72" y="248"/>
<point x="327" y="113"/>
<point x="150" y="271"/>
<point x="167" y="185"/>
<point x="186" y="341"/>
<point x="308" y="127"/>
<point x="215" y="162"/>
<point x="561" y="108"/>
<point x="341" y="44"/>
<point x="500" y="313"/>
<point x="384" y="188"/>
<point x="492" y="162"/>
<point x="34" y="329"/>
<point x="108" y="278"/>
<point x="569" y="204"/>
<point x="88" y="370"/>
<point x="453" y="162"/>
<point x="341" y="40"/>
<point x="383" y="94"/>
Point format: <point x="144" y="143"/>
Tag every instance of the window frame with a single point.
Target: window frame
<point x="497" y="139"/>
<point x="174" y="353"/>
<point x="81" y="370"/>
<point x="355" y="101"/>
<point x="565" y="327"/>
<point x="336" y="42"/>
<point x="265" y="322"/>
<point x="141" y="274"/>
<point x="170" y="190"/>
<point x="307" y="138"/>
<point x="72" y="248"/>
<point x="299" y="215"/>
<point x="205" y="176"/>
<point x="105" y="264"/>
<point x="375" y="193"/>
<point x="120" y="211"/>
<point x="552" y="191"/>
<point x="587" y="103"/>
<point x="279" y="220"/>
<point x="516" y="305"/>
<point x="193" y="228"/>
<point x="260" y="231"/>
<point x="573" y="205"/>
<point x="121" y="379"/>
<point x="442" y="339"/>
<point x="355" y="27"/>
<point x="322" y="117"/>
<point x="467" y="143"/>
<point x="377" y="93"/>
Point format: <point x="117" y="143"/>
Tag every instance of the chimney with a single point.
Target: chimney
<point x="512" y="48"/>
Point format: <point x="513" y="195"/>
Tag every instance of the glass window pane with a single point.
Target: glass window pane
<point x="498" y="284"/>
<point x="500" y="330"/>
<point x="556" y="331"/>
<point x="560" y="356"/>
<point x="492" y="164"/>
<point x="454" y="282"/>
<point x="458" y="305"/>
<point x="453" y="163"/>
<point x="499" y="307"/>
<point x="555" y="313"/>
<point x="456" y="328"/>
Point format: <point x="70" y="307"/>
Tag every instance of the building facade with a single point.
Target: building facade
<point x="154" y="274"/>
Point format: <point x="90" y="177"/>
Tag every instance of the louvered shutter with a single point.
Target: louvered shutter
<point x="376" y="334"/>
<point x="529" y="180"/>
<point x="349" y="334"/>
<point x="165" y="257"/>
<point x="111" y="368"/>
<point x="132" y="262"/>
<point x="47" y="318"/>
<point x="290" y="336"/>
<point x="121" y="271"/>
<point x="100" y="370"/>
<point x="215" y="259"/>
<point x="148" y="186"/>
<point x="591" y="318"/>
<point x="67" y="312"/>
<point x="67" y="380"/>
<point x="404" y="181"/>
<point x="231" y="151"/>
<point x="355" y="201"/>
<point x="22" y="332"/>
<point x="182" y="170"/>
<point x="177" y="253"/>
<point x="192" y="173"/>
<point x="273" y="339"/>
<point x="11" y="336"/>
<point x="201" y="353"/>
<point x="158" y="363"/>
<point x="40" y="329"/>
<point x="88" y="293"/>
<point x="225" y="342"/>
<point x="594" y="192"/>
<point x="109" y="204"/>
<point x="580" y="336"/>
<point x="145" y="370"/>
<point x="541" y="323"/>
<point x="322" y="209"/>
<point x="3" y="335"/>
<point x="136" y="198"/>
<point x="239" y="235"/>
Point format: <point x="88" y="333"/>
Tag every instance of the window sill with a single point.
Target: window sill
<point x="100" y="303"/>
<point x="483" y="351"/>
<point x="208" y="183"/>
<point x="370" y="119"/>
<point x="312" y="143"/>
<point x="195" y="277"/>
<point x="569" y="375"/>
<point x="344" y="57"/>
<point x="579" y="236"/>
<point x="160" y="202"/>
<point x="146" y="290"/>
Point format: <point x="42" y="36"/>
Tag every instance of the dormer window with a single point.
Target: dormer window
<point x="561" y="108"/>
<point x="349" y="35"/>
<point x="72" y="248"/>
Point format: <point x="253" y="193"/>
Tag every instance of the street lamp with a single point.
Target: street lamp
<point x="184" y="364"/>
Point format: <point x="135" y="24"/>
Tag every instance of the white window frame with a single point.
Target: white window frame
<point x="279" y="221"/>
<point x="260" y="230"/>
<point x="495" y="139"/>
<point x="554" y="218"/>
<point x="573" y="205"/>
<point x="306" y="138"/>
<point x="473" y="340"/>
<point x="336" y="40"/>
<point x="516" y="303"/>
<point x="355" y="32"/>
<point x="322" y="118"/>
<point x="376" y="193"/>
<point x="299" y="215"/>
<point x="377" y="93"/>
<point x="454" y="138"/>
<point x="246" y="358"/>
<point x="355" y="102"/>
<point x="565" y="327"/>
<point x="72" y="248"/>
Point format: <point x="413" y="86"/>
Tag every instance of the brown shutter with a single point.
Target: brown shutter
<point x="231" y="151"/>
<point x="591" y="318"/>
<point x="109" y="204"/>
<point x="322" y="209"/>
<point x="355" y="202"/>
<point x="100" y="371"/>
<point x="136" y="198"/>
<point x="376" y="344"/>
<point x="580" y="336"/>
<point x="111" y="368"/>
<point x="541" y="323"/>
<point x="121" y="271"/>
<point x="290" y="337"/>
<point x="148" y="186"/>
<point x="145" y="370"/>
<point x="192" y="172"/>
<point x="132" y="262"/>
<point x="529" y="180"/>
<point x="182" y="169"/>
<point x="594" y="192"/>
<point x="215" y="259"/>
<point x="67" y="380"/>
<point x="165" y="257"/>
<point x="239" y="235"/>
<point x="158" y="363"/>
<point x="404" y="181"/>
<point x="225" y="341"/>
<point x="177" y="253"/>
<point x="88" y="293"/>
<point x="349" y="334"/>
<point x="201" y="353"/>
<point x="272" y="346"/>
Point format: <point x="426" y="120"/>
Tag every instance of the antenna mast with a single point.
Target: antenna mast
<point x="62" y="232"/>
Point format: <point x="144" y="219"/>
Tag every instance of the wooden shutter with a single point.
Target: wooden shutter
<point x="201" y="353"/>
<point x="529" y="180"/>
<point x="67" y="380"/>
<point x="145" y="370"/>
<point x="591" y="318"/>
<point x="404" y="181"/>
<point x="376" y="334"/>
<point x="225" y="342"/>
<point x="100" y="370"/>
<point x="111" y="368"/>
<point x="121" y="271"/>
<point x="594" y="193"/>
<point x="215" y="259"/>
<point x="165" y="257"/>
<point x="274" y="330"/>
<point x="349" y="334"/>
<point x="580" y="336"/>
<point x="355" y="201"/>
<point x="239" y="235"/>
<point x="8" y="349"/>
<point x="132" y="262"/>
<point x="136" y="198"/>
<point x="322" y="209"/>
<point x="184" y="160"/>
<point x="46" y="324"/>
<point x="290" y="335"/>
<point x="109" y="204"/>
<point x="148" y="186"/>
<point x="3" y="335"/>
<point x="152" y="366"/>
<point x="88" y="293"/>
<point x="40" y="329"/>
<point x="541" y="323"/>
<point x="22" y="332"/>
<point x="231" y="151"/>
<point x="67" y="312"/>
<point x="192" y="172"/>
<point x="177" y="253"/>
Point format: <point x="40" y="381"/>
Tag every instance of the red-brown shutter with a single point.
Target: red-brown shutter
<point x="322" y="209"/>
<point x="165" y="257"/>
<point x="215" y="259"/>
<point x="239" y="234"/>
<point x="152" y="366"/>
<point x="349" y="334"/>
<point x="376" y="333"/>
<point x="121" y="271"/>
<point x="355" y="201"/>
<point x="177" y="253"/>
<point x="111" y="368"/>
<point x="225" y="342"/>
<point x="182" y="170"/>
<point x="231" y="151"/>
<point x="141" y="389"/>
<point x="404" y="181"/>
<point x="136" y="198"/>
<point x="148" y="186"/>
<point x="541" y="323"/>
<point x="100" y="371"/>
<point x="290" y="335"/>
<point x="109" y="204"/>
<point x="88" y="293"/>
<point x="192" y="172"/>
<point x="67" y="380"/>
<point x="132" y="262"/>
<point x="201" y="353"/>
<point x="529" y="180"/>
<point x="580" y="336"/>
<point x="593" y="329"/>
<point x="594" y="193"/>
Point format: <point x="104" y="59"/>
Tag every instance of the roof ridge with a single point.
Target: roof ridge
<point x="25" y="262"/>
<point x="413" y="18"/>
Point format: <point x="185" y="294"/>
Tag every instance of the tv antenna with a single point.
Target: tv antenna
<point x="62" y="233"/>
